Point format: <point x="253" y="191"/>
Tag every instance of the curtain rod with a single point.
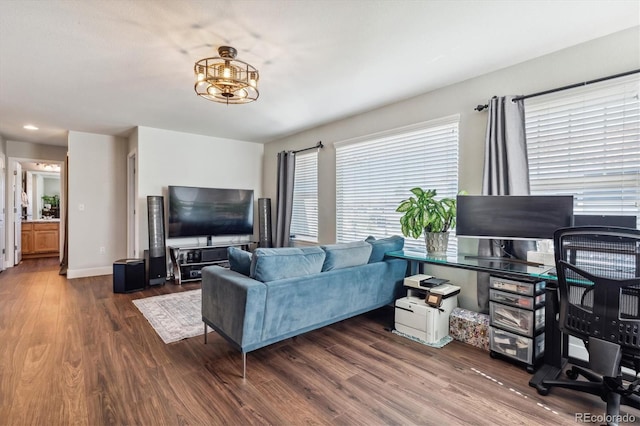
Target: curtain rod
<point x="317" y="146"/>
<point x="571" y="86"/>
<point x="559" y="89"/>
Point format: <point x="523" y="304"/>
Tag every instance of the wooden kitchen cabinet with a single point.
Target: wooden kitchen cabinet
<point x="46" y="237"/>
<point x="40" y="239"/>
<point x="27" y="238"/>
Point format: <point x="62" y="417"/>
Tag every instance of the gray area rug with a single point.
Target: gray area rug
<point x="174" y="316"/>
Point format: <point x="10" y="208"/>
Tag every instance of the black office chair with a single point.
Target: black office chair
<point x="598" y="271"/>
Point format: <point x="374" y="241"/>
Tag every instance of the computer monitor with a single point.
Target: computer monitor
<point x="513" y="217"/>
<point x="622" y="221"/>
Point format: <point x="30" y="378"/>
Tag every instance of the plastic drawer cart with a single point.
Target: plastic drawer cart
<point x="517" y="320"/>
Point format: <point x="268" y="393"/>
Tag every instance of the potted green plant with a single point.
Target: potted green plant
<point x="51" y="204"/>
<point x="52" y="200"/>
<point x="423" y="214"/>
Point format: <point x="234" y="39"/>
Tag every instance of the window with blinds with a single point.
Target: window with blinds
<point x="375" y="173"/>
<point x="586" y="142"/>
<point x="304" y="219"/>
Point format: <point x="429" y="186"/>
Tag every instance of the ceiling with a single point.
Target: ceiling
<point x="109" y="66"/>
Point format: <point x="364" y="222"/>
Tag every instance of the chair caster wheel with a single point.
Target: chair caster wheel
<point x="530" y="369"/>
<point x="544" y="391"/>
<point x="571" y="374"/>
<point x="493" y="355"/>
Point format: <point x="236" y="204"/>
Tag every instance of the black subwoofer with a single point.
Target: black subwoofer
<point x="128" y="275"/>
<point x="156" y="256"/>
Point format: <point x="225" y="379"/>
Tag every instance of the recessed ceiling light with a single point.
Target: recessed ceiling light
<point x="29" y="127"/>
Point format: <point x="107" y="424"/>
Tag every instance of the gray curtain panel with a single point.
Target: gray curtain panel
<point x="286" y="174"/>
<point x="506" y="172"/>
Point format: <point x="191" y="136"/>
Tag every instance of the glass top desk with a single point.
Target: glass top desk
<point x="556" y="344"/>
<point x="479" y="264"/>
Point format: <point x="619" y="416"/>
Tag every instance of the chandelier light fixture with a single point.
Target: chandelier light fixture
<point x="225" y="79"/>
<point x="48" y="167"/>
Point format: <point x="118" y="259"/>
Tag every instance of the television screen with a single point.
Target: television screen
<point x="513" y="217"/>
<point x="195" y="212"/>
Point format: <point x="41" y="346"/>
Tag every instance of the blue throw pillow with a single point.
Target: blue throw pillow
<point x="239" y="260"/>
<point x="383" y="245"/>
<point x="271" y="264"/>
<point x="346" y="255"/>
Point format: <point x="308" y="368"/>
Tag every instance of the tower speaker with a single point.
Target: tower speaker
<point x="156" y="256"/>
<point x="264" y="221"/>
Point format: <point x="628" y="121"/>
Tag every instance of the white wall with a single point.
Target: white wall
<point x="609" y="55"/>
<point x="51" y="185"/>
<point x="97" y="203"/>
<point x="173" y="158"/>
<point x="98" y="184"/>
<point x="36" y="151"/>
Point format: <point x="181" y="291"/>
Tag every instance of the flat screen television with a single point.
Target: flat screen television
<point x="196" y="212"/>
<point x="513" y="217"/>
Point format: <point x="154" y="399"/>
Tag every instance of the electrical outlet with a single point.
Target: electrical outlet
<point x="103" y="250"/>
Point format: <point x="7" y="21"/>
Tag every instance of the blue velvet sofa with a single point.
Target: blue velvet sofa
<point x="273" y="294"/>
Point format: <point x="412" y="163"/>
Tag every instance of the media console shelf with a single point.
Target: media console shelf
<point x="188" y="261"/>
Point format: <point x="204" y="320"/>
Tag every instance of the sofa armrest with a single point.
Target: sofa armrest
<point x="233" y="305"/>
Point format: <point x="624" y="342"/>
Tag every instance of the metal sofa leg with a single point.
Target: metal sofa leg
<point x="244" y="365"/>
<point x="205" y="333"/>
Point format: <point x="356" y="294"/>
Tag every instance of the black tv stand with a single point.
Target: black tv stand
<point x="503" y="259"/>
<point x="188" y="260"/>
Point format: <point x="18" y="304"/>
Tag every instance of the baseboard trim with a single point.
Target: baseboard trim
<point x="89" y="272"/>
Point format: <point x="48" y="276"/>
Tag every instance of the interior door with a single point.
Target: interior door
<point x="132" y="228"/>
<point x="2" y="215"/>
<point x="17" y="214"/>
<point x="29" y="190"/>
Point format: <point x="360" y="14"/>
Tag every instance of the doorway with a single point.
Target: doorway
<point x="132" y="199"/>
<point x="36" y="209"/>
<point x="2" y="214"/>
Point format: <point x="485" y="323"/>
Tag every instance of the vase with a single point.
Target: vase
<point x="437" y="243"/>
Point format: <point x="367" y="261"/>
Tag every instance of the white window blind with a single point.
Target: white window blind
<point x="585" y="142"/>
<point x="304" y="219"/>
<point x="375" y="173"/>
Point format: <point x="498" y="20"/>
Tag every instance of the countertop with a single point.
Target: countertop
<point x="41" y="220"/>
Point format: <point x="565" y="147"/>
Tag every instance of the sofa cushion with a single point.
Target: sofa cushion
<point x="383" y="245"/>
<point x="271" y="264"/>
<point x="239" y="260"/>
<point x="345" y="255"/>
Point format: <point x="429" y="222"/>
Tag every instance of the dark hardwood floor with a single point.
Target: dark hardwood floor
<point x="73" y="352"/>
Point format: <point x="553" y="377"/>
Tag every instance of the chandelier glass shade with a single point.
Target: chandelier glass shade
<point x="225" y="79"/>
